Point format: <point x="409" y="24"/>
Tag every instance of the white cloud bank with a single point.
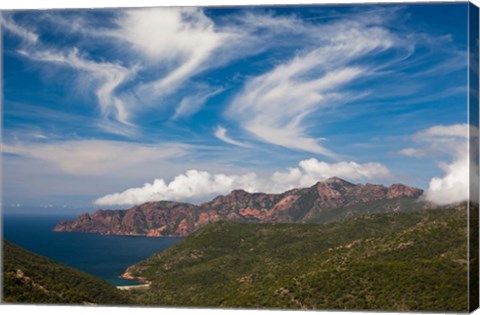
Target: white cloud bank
<point x="447" y="141"/>
<point x="453" y="186"/>
<point x="197" y="185"/>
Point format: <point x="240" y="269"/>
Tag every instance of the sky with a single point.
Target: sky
<point x="109" y="108"/>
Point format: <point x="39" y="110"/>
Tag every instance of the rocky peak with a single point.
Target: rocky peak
<point x="399" y="190"/>
<point x="333" y="185"/>
<point x="337" y="180"/>
<point x="84" y="217"/>
<point x="239" y="194"/>
<point x="237" y="198"/>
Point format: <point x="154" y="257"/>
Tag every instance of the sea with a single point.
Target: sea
<point x="104" y="256"/>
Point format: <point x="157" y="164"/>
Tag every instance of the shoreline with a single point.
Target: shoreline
<point x="126" y="275"/>
<point x="133" y="287"/>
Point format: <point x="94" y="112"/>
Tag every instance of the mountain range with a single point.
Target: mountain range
<point x="327" y="201"/>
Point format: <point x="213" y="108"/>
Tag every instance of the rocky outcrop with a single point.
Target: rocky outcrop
<point x="399" y="190"/>
<point x="329" y="200"/>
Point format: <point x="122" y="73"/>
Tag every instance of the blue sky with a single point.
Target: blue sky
<point x="119" y="107"/>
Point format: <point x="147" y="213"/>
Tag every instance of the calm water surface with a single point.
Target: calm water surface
<point x="103" y="256"/>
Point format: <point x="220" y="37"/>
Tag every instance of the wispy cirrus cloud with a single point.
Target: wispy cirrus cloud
<point x="102" y="77"/>
<point x="191" y="104"/>
<point x="187" y="41"/>
<point x="106" y="76"/>
<point x="221" y="133"/>
<point x="169" y="59"/>
<point x="8" y="24"/>
<point x="275" y="105"/>
<point x="152" y="70"/>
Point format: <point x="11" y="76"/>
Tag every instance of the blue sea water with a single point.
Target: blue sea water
<point x="103" y="256"/>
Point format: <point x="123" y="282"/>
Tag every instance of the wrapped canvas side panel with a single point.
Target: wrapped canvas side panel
<point x="474" y="155"/>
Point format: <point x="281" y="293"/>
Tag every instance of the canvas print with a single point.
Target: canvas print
<point x="315" y="157"/>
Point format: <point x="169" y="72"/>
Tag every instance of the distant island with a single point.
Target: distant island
<point x="330" y="200"/>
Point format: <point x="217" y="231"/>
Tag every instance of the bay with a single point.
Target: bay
<point x="104" y="256"/>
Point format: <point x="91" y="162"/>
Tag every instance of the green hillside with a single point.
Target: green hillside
<point x="366" y="208"/>
<point x="399" y="261"/>
<point x="30" y="278"/>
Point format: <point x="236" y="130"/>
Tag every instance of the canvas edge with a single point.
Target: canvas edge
<point x="473" y="120"/>
<point x="1" y="159"/>
<point x="474" y="176"/>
